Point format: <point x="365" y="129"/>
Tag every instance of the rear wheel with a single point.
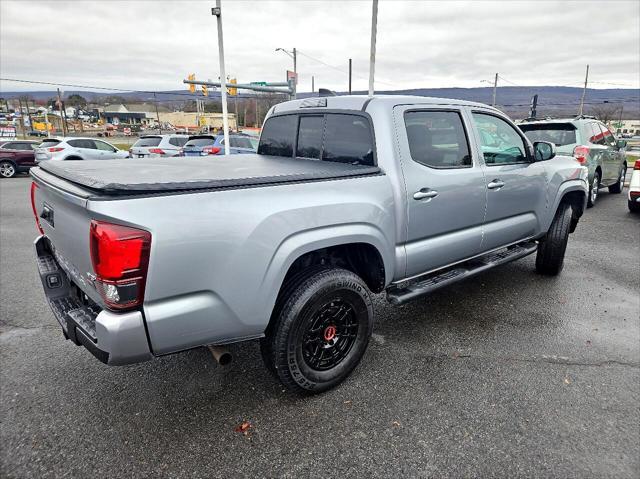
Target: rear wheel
<point x="7" y="169"/>
<point x="619" y="185"/>
<point x="551" y="248"/>
<point x="321" y="332"/>
<point x="593" y="190"/>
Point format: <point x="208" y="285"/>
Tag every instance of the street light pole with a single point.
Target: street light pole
<point x="372" y="56"/>
<point x="294" y="55"/>
<point x="217" y="11"/>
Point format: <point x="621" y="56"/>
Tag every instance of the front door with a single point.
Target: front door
<point x="516" y="186"/>
<point x="445" y="187"/>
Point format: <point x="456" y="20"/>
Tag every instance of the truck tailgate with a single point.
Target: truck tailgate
<point x="65" y="220"/>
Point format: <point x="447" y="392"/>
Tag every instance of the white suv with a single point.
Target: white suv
<point x="77" y="149"/>
<point x="158" y="145"/>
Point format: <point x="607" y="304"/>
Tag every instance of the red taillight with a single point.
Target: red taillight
<point x="55" y="149"/>
<point x="211" y="150"/>
<point x="157" y="151"/>
<point x="636" y="166"/>
<point x="581" y="153"/>
<point x="34" y="187"/>
<point x="120" y="257"/>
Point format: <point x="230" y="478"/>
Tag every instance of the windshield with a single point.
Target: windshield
<point x="558" y="133"/>
<point x="148" y="141"/>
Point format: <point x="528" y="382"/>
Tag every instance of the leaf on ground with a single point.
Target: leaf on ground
<point x="243" y="427"/>
<point x="396" y="423"/>
<point x="567" y="380"/>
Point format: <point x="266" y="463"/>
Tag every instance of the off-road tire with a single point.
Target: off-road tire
<point x="619" y="185"/>
<point x="7" y="169"/>
<point x="301" y="301"/>
<point x="551" y="248"/>
<point x="591" y="198"/>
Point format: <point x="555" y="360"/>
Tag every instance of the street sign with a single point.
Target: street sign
<point x="292" y="76"/>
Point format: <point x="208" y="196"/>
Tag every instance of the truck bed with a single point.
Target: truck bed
<point x="159" y="175"/>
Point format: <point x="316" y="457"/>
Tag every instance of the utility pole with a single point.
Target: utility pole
<point x="372" y="55"/>
<point x="350" y="67"/>
<point x="295" y="62"/>
<point x="24" y="131"/>
<point x="313" y="87"/>
<point x="217" y="11"/>
<point x="64" y="126"/>
<point x="26" y="100"/>
<point x="584" y="92"/>
<point x="495" y="88"/>
<point x="155" y="100"/>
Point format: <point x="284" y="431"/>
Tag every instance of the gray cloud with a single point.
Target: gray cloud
<point x="154" y="44"/>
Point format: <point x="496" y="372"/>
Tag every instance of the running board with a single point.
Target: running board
<point x="439" y="279"/>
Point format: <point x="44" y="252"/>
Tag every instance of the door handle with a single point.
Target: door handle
<point x="425" y="193"/>
<point x="495" y="184"/>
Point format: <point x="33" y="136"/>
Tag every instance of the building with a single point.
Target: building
<point x="191" y="121"/>
<point x="628" y="127"/>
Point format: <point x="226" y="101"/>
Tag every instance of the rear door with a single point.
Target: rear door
<point x="516" y="186"/>
<point x="613" y="157"/>
<point x="445" y="186"/>
<point x="106" y="151"/>
<point x="598" y="152"/>
<point x="85" y="148"/>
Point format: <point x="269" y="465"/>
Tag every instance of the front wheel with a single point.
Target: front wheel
<point x="320" y="332"/>
<point x="7" y="169"/>
<point x="593" y="190"/>
<point x="551" y="248"/>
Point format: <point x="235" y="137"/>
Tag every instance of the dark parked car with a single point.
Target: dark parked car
<point x="38" y="133"/>
<point x="203" y="145"/>
<point x="16" y="157"/>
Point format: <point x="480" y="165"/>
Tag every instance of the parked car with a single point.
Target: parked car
<point x="158" y="145"/>
<point x="145" y="258"/>
<point x="203" y="145"/>
<point x="40" y="133"/>
<point x="16" y="157"/>
<point x="633" y="197"/>
<point x="72" y="148"/>
<point x="592" y="144"/>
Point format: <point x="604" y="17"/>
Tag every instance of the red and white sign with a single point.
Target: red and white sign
<point x="7" y="131"/>
<point x="127" y="131"/>
<point x="292" y="76"/>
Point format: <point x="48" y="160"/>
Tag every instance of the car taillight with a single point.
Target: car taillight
<point x="211" y="150"/>
<point x="581" y="153"/>
<point x="120" y="258"/>
<point x="34" y="187"/>
<point x="157" y="151"/>
<point x="636" y="166"/>
<point x="55" y="149"/>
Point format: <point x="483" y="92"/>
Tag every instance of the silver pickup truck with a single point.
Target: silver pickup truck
<point x="346" y="196"/>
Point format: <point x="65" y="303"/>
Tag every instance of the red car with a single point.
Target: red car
<point x="16" y="157"/>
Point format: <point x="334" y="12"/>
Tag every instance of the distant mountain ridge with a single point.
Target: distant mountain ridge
<point x="514" y="100"/>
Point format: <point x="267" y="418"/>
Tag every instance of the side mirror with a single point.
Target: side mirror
<point x="621" y="144"/>
<point x="544" y="150"/>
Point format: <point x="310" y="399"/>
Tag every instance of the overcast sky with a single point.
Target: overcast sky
<point x="153" y="45"/>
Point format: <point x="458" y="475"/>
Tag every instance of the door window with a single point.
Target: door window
<point x="102" y="146"/>
<point x="81" y="143"/>
<point x="437" y="139"/>
<point x="609" y="139"/>
<point x="597" y="135"/>
<point x="500" y="142"/>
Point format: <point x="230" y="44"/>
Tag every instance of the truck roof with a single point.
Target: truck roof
<point x="360" y="102"/>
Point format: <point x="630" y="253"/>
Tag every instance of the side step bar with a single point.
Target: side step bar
<point x="439" y="279"/>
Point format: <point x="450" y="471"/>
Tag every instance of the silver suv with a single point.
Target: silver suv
<point x="77" y="149"/>
<point x="591" y="143"/>
<point x="158" y="145"/>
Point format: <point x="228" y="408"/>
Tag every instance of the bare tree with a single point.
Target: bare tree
<point x="605" y="112"/>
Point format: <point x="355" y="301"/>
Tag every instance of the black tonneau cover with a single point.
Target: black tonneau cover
<point x="147" y="175"/>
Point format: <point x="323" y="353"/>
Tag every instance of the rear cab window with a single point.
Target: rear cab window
<point x="337" y="137"/>
<point x="560" y="134"/>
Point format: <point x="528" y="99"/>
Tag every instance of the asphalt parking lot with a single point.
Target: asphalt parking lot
<point x="510" y="374"/>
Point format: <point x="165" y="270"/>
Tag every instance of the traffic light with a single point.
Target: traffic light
<point x="233" y="91"/>
<point x="205" y="90"/>
<point x="192" y="77"/>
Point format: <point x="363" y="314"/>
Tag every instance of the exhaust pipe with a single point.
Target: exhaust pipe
<point x="221" y="355"/>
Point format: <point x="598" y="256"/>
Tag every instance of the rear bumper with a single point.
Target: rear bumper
<point x="113" y="338"/>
